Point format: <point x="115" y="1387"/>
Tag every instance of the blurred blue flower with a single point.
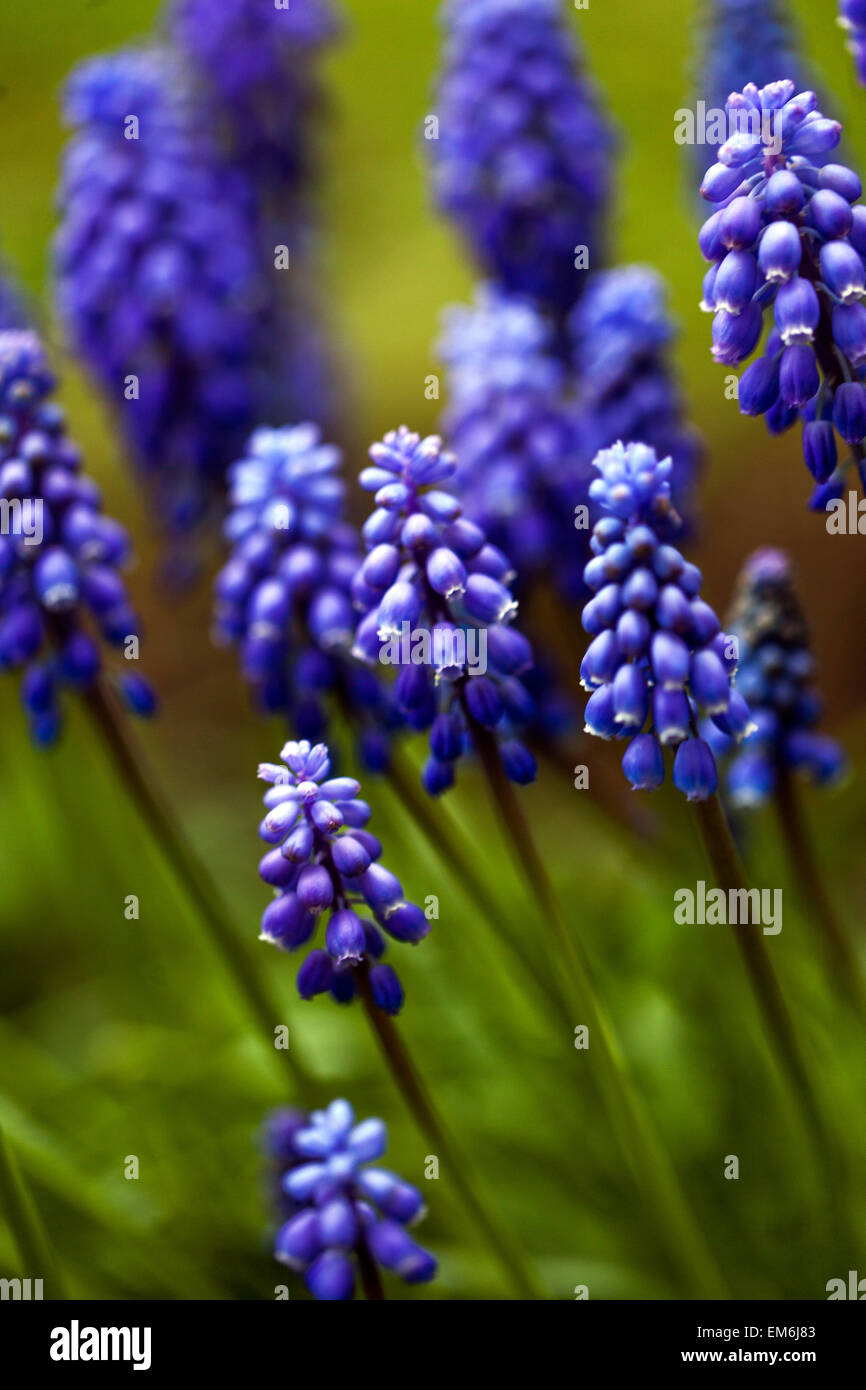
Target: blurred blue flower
<point x="513" y="427"/>
<point x="347" y="1211"/>
<point x="284" y="595"/>
<point x="61" y="591"/>
<point x="852" y="17"/>
<point x="259" y="59"/>
<point x="658" y="658"/>
<point x="776" y="675"/>
<point x="160" y="274"/>
<point x="522" y="156"/>
<point x="168" y="283"/>
<point x="323" y="860"/>
<point x="623" y="335"/>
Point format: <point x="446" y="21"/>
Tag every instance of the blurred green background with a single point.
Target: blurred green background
<point x="128" y="1037"/>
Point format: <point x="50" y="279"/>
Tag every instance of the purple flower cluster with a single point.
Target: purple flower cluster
<point x="258" y="59"/>
<point x="60" y="557"/>
<point x="324" y="860"/>
<point x="160" y="274"/>
<point x="346" y="1212"/>
<point x="513" y="429"/>
<point x="658" y="658"/>
<point x="852" y="17"/>
<point x="740" y="39"/>
<point x="792" y="236"/>
<point x="623" y="335"/>
<point x="522" y="156"/>
<point x="438" y="606"/>
<point x="284" y="595"/>
<point x="776" y="675"/>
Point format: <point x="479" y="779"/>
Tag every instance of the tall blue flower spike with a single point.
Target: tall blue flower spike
<point x="437" y="603"/>
<point x="852" y="17"/>
<point x="159" y="274"/>
<point x="346" y="1212"/>
<point x="512" y="424"/>
<point x="790" y="238"/>
<point x="522" y="156"/>
<point x="61" y="590"/>
<point x="623" y="336"/>
<point x="323" y="860"/>
<point x="658" y="658"/>
<point x="258" y="58"/>
<point x="284" y="595"/>
<point x="166" y="261"/>
<point x="777" y="676"/>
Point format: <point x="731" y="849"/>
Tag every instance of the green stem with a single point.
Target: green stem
<point x="649" y="1163"/>
<point x="399" y="1061"/>
<point x="438" y="830"/>
<point x="34" y="1249"/>
<point x="804" y="867"/>
<point x="729" y="875"/>
<point x="192" y="876"/>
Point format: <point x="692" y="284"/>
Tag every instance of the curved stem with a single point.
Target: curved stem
<point x="28" y="1233"/>
<point x="439" y="831"/>
<point x="729" y="876"/>
<point x="650" y="1165"/>
<point x="804" y="867"/>
<point x="191" y="874"/>
<point x="399" y="1061"/>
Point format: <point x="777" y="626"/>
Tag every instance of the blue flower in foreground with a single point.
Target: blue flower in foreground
<point x="323" y="860"/>
<point x="522" y="160"/>
<point x="743" y="40"/>
<point x="513" y="429"/>
<point x="852" y="17"/>
<point x="790" y="236"/>
<point x="658" y="658"/>
<point x="438" y="606"/>
<point x="61" y="589"/>
<point x="347" y="1212"/>
<point x="259" y="58"/>
<point x="284" y="596"/>
<point x="623" y="336"/>
<point x="160" y="275"/>
<point x="776" y="675"/>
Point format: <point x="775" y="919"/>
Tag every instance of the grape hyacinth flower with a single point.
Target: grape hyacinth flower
<point x="284" y="595"/>
<point x="160" y="279"/>
<point x="349" y="1216"/>
<point x="521" y="158"/>
<point x="278" y="1145"/>
<point x="658" y="657"/>
<point x="323" y="860"/>
<point x="777" y="676"/>
<point x="258" y="59"/>
<point x="438" y="605"/>
<point x="61" y="590"/>
<point x="512" y="426"/>
<point x="852" y="17"/>
<point x="740" y="40"/>
<point x="623" y="335"/>
<point x="790" y="236"/>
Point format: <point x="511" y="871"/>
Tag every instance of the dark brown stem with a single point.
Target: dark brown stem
<point x="804" y="867"/>
<point x="371" y="1280"/>
<point x="191" y="874"/>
